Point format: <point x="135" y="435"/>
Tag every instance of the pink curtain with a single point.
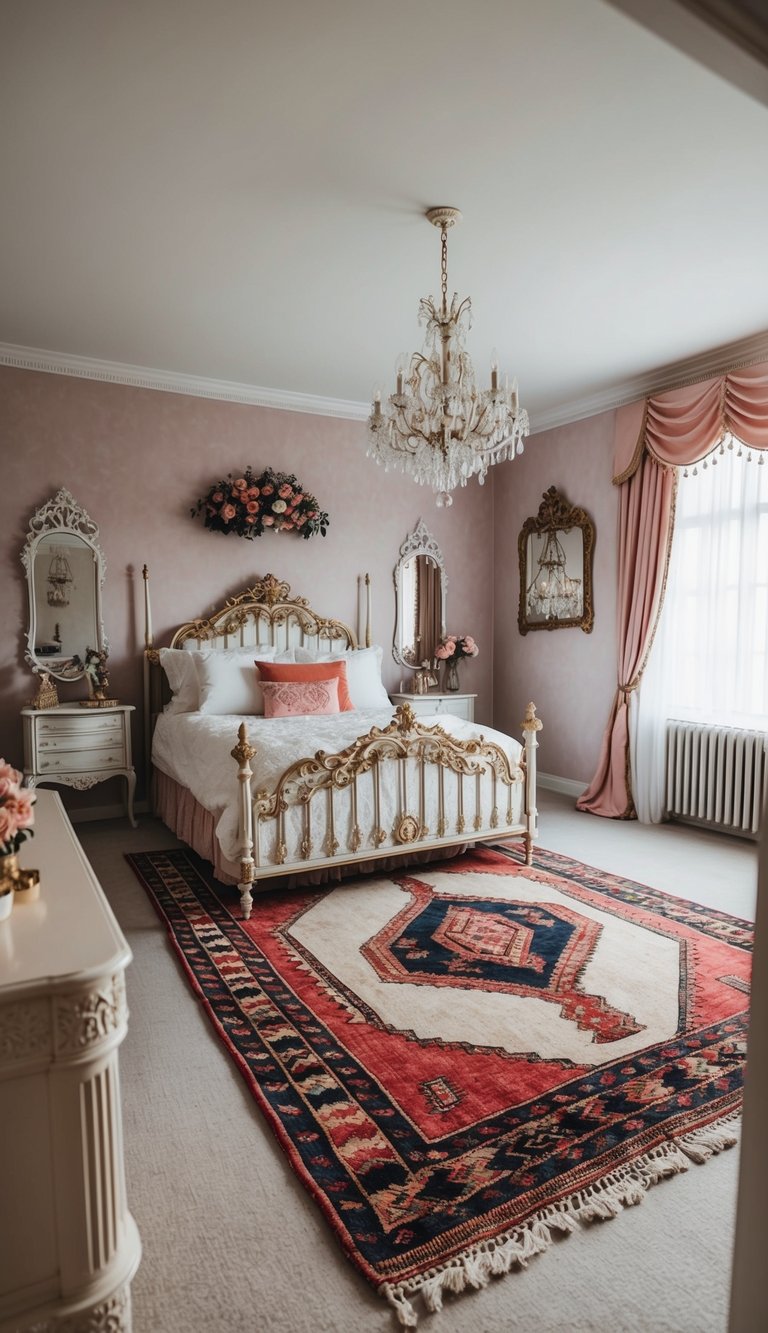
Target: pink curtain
<point x="653" y="439"/>
<point x="645" y="517"/>
<point x="681" y="427"/>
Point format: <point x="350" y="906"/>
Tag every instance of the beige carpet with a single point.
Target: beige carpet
<point x="232" y="1242"/>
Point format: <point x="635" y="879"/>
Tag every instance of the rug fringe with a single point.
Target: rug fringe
<point x="623" y="1188"/>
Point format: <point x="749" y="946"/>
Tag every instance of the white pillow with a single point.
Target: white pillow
<point x="179" y="667"/>
<point x="229" y="682"/>
<point x="366" y="689"/>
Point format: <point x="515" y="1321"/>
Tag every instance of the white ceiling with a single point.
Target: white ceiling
<point x="235" y="189"/>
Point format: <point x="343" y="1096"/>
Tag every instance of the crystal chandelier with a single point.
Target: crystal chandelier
<point x="59" y="579"/>
<point x="552" y="594"/>
<point x="438" y="425"/>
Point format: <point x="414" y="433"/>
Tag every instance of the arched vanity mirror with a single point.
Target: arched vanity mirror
<point x="420" y="592"/>
<point x="65" y="572"/>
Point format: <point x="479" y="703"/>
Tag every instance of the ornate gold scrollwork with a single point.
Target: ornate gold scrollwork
<point x="267" y="603"/>
<point x="355" y="839"/>
<point x="407" y="829"/>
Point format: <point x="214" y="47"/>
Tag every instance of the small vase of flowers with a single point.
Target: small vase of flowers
<point x="451" y="651"/>
<point x="16" y="820"/>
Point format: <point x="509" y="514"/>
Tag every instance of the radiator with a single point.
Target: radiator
<point x="716" y="775"/>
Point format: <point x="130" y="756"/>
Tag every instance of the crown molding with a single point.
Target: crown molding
<point x="673" y="376"/>
<point x="172" y="381"/>
<point x="717" y="360"/>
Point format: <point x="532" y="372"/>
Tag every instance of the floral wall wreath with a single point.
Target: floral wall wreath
<point x="250" y="505"/>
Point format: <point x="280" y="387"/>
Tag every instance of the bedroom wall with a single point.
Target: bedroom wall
<point x="136" y="459"/>
<point x="569" y="675"/>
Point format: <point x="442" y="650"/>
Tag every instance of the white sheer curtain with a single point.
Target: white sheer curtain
<point x="709" y="661"/>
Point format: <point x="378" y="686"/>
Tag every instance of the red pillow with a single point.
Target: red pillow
<point x="282" y="671"/>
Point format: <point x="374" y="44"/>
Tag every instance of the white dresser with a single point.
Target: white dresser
<point x="68" y="1244"/>
<point x="461" y="705"/>
<point x="79" y="747"/>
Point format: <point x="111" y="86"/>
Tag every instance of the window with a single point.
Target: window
<point x="714" y="627"/>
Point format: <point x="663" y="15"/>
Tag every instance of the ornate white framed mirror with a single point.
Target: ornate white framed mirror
<point x="65" y="569"/>
<point x="421" y="587"/>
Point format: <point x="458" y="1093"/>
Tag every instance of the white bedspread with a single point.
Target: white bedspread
<point x="195" y="750"/>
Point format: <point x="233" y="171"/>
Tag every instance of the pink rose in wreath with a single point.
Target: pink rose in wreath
<point x="228" y="512"/>
<point x="252" y="506"/>
<point x="268" y="489"/>
<point x="285" y="491"/>
<point x="268" y="521"/>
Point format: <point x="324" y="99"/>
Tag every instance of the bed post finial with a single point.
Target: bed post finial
<point x="530" y="725"/>
<point x="243" y="753"/>
<point x="367" y="610"/>
<point x="147" y="610"/>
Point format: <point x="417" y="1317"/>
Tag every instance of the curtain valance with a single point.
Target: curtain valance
<point x="683" y="426"/>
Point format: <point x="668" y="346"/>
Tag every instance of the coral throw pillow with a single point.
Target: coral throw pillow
<point x="289" y="698"/>
<point x="304" y="672"/>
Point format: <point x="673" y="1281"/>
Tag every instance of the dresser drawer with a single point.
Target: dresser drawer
<point x="86" y="725"/>
<point x="81" y="761"/>
<point x="75" y="740"/>
<point x="428" y="705"/>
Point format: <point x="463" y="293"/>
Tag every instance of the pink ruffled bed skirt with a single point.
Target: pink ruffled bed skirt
<point x="196" y="826"/>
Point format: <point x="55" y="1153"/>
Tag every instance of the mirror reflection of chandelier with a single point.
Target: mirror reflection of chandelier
<point x="438" y="425"/>
<point x="59" y="579"/>
<point x="552" y="594"/>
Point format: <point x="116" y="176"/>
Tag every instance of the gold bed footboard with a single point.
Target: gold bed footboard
<point x="479" y="794"/>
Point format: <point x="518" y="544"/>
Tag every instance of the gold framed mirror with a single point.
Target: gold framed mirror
<point x="421" y="585"/>
<point x="65" y="573"/>
<point x="555" y="550"/>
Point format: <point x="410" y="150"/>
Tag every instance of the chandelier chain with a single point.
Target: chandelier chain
<point x="444" y="265"/>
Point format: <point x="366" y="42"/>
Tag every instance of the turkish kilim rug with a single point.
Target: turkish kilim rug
<point x="462" y="1060"/>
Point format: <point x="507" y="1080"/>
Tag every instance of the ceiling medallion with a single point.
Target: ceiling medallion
<point x="437" y="425"/>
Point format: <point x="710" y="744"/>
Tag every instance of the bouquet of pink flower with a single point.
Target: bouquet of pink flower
<point x="250" y="505"/>
<point x="455" y="646"/>
<point x="16" y="810"/>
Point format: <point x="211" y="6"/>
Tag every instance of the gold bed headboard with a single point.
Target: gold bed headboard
<point x="266" y="613"/>
<point x="263" y="613"/>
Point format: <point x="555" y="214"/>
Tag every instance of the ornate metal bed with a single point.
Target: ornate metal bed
<point x="445" y="791"/>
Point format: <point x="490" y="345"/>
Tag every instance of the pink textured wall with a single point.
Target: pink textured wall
<point x="136" y="460"/>
<point x="570" y="675"/>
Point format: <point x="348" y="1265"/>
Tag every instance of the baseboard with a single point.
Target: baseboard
<point x="567" y="786"/>
<point x="116" y="811"/>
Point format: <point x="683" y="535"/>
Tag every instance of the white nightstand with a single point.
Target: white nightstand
<point x="78" y="747"/>
<point x="423" y="705"/>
